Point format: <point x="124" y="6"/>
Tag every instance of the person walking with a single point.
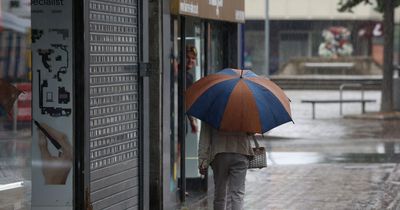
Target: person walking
<point x="228" y="155"/>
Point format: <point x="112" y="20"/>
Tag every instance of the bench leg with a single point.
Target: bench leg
<point x="363" y="107"/>
<point x="313" y="110"/>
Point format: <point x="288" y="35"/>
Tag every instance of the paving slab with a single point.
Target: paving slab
<point x="330" y="163"/>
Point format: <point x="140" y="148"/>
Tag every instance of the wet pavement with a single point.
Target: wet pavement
<point x="15" y="164"/>
<point x="328" y="163"/>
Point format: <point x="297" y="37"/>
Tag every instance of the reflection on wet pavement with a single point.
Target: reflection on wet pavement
<point x="338" y="128"/>
<point x="331" y="138"/>
<point x="336" y="141"/>
<point x="294" y="158"/>
<point x="328" y="163"/>
<point x="15" y="170"/>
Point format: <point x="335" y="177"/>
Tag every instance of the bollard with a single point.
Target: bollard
<point x="15" y="114"/>
<point x="396" y="94"/>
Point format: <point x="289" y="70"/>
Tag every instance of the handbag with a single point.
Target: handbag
<point x="259" y="160"/>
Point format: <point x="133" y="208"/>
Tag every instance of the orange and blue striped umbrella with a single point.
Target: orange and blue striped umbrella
<point x="238" y="100"/>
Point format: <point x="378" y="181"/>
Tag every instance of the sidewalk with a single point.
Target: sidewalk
<point x="376" y="116"/>
<point x="15" y="162"/>
<point x="332" y="162"/>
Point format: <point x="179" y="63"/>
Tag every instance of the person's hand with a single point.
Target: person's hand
<point x="193" y="125"/>
<point x="55" y="169"/>
<point x="203" y="171"/>
<point x="203" y="168"/>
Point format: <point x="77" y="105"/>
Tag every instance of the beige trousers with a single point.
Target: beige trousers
<point x="229" y="179"/>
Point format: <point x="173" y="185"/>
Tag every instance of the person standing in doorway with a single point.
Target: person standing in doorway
<point x="228" y="154"/>
<point x="191" y="56"/>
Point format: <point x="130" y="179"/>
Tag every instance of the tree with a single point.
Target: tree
<point x="387" y="8"/>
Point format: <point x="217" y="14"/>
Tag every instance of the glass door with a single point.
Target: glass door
<point x="193" y="66"/>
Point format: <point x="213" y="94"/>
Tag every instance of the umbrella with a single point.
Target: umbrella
<point x="238" y="100"/>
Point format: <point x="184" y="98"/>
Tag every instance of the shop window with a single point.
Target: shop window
<point x="15" y="119"/>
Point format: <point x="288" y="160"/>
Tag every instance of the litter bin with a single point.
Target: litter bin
<point x="396" y="94"/>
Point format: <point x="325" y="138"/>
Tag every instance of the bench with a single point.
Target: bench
<point x="329" y="67"/>
<point x="329" y="64"/>
<point x="323" y="101"/>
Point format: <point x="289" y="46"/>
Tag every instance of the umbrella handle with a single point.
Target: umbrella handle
<point x="255" y="141"/>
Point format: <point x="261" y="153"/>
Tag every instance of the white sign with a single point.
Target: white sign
<point x="52" y="105"/>
<point x="217" y="3"/>
<point x="378" y="30"/>
<point x="189" y="8"/>
<point x="239" y="15"/>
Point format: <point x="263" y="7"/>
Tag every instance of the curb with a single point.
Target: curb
<point x="375" y="116"/>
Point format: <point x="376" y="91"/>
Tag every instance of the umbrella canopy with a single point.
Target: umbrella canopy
<point x="238" y="100"/>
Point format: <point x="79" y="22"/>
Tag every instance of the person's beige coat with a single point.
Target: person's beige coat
<point x="213" y="142"/>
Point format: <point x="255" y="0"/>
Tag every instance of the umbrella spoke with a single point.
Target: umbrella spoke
<point x="275" y="89"/>
<point x="272" y="112"/>
<point x="241" y="113"/>
<point x="198" y="88"/>
<point x="211" y="104"/>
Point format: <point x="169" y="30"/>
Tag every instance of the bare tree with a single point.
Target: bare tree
<point x="387" y="8"/>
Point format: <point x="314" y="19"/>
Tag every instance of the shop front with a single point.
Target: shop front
<point x="205" y="38"/>
<point x="89" y="132"/>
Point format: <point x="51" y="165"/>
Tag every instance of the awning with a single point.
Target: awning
<point x="225" y="10"/>
<point x="12" y="22"/>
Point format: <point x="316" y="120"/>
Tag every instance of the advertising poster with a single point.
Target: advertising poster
<point x="52" y="105"/>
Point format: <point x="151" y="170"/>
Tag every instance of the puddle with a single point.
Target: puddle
<point x="368" y="152"/>
<point x="297" y="158"/>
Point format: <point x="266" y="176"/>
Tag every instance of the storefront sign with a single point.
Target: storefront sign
<point x="189" y="8"/>
<point x="52" y="105"/>
<point x="224" y="10"/>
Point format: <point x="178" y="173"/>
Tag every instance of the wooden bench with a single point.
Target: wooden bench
<point x="323" y="101"/>
<point x="329" y="67"/>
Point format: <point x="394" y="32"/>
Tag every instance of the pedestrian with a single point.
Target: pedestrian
<point x="228" y="155"/>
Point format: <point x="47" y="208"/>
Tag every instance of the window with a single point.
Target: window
<point x="15" y="121"/>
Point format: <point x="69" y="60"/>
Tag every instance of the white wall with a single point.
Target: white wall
<point x="309" y="9"/>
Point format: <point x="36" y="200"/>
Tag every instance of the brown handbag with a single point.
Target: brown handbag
<point x="259" y="160"/>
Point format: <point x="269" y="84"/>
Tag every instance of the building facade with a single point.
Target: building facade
<point x="213" y="29"/>
<point x="106" y="126"/>
<point x="296" y="30"/>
